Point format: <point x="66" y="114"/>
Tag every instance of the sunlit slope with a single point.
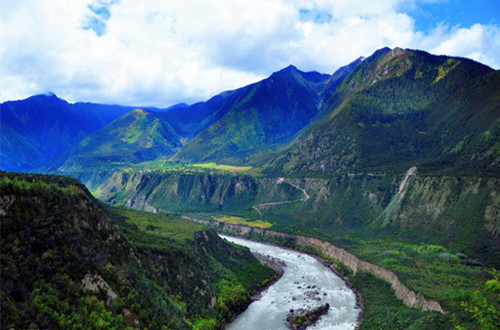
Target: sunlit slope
<point x="268" y="115"/>
<point x="403" y="108"/>
<point x="135" y="137"/>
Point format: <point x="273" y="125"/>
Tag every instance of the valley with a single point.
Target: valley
<point x="388" y="169"/>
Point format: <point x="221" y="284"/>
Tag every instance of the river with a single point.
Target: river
<point x="306" y="283"/>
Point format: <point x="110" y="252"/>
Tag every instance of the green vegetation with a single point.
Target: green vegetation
<point x="409" y="103"/>
<point x="163" y="165"/>
<point x="382" y="310"/>
<point x="235" y="275"/>
<point x="160" y="225"/>
<point x="136" y="137"/>
<point x="137" y="128"/>
<point x="344" y="143"/>
<point x="223" y="168"/>
<point x="68" y="261"/>
<point x="485" y="313"/>
<point x="367" y="204"/>
<point x="430" y="270"/>
<point x="443" y="70"/>
<point x="258" y="120"/>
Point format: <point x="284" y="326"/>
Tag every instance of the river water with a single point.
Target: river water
<point x="305" y="283"/>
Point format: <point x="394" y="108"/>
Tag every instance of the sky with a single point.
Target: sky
<point x="159" y="53"/>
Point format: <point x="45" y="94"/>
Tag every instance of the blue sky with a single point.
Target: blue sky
<point x="455" y="12"/>
<point x="158" y="53"/>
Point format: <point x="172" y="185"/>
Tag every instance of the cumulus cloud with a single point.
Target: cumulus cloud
<point x="162" y="52"/>
<point x="479" y="42"/>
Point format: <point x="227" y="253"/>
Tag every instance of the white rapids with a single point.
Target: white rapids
<point x="306" y="283"/>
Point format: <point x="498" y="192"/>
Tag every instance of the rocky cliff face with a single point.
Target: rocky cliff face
<point x="458" y="212"/>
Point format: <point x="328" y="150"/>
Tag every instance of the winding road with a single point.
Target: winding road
<point x="257" y="207"/>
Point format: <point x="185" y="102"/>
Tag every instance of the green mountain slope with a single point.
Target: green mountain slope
<point x="135" y="137"/>
<point x="403" y="108"/>
<point x="68" y="262"/>
<point x="268" y="115"/>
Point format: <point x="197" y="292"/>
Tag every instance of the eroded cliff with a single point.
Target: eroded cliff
<point x="460" y="213"/>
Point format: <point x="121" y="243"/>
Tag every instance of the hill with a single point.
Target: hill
<point x="69" y="261"/>
<point x="134" y="137"/>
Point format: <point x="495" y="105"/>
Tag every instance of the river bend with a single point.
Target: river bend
<point x="306" y="283"/>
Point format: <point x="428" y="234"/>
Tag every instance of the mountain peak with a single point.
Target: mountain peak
<point x="288" y="70"/>
<point x="48" y="95"/>
<point x="291" y="67"/>
<point x="292" y="71"/>
<point x="140" y="112"/>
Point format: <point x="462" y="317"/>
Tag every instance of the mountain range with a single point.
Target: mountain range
<point x="378" y="116"/>
<point x="39" y="130"/>
<point x="400" y="150"/>
<point x="435" y="112"/>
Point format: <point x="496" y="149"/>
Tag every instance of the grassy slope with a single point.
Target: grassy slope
<point x="135" y="137"/>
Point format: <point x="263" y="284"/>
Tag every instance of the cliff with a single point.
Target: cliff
<point x="460" y="213"/>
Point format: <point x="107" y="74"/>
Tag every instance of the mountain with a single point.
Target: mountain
<point x="132" y="138"/>
<point x="394" y="157"/>
<point x="403" y="108"/>
<point x="400" y="144"/>
<point x="38" y="130"/>
<point x="259" y="118"/>
<point x="69" y="261"/>
<point x="233" y="126"/>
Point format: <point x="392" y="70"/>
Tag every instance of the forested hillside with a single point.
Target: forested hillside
<point x="402" y="108"/>
<point x="69" y="261"/>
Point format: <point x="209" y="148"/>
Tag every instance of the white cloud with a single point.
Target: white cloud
<point x="163" y="52"/>
<point x="479" y="42"/>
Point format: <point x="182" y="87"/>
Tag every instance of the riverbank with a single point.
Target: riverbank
<point x="273" y="263"/>
<point x="328" y="250"/>
<point x="278" y="264"/>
